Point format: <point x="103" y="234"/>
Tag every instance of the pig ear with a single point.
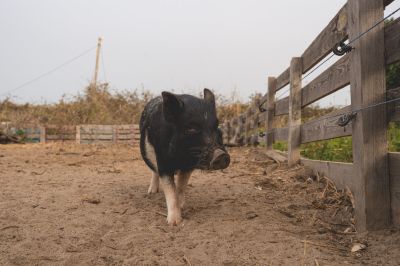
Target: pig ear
<point x="209" y="96"/>
<point x="172" y="106"/>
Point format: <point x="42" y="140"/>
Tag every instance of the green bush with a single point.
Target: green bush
<point x="394" y="137"/>
<point x="340" y="149"/>
<point x="280" y="146"/>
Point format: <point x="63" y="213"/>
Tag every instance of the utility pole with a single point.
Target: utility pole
<point x="96" y="70"/>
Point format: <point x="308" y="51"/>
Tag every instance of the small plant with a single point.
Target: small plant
<point x="339" y="149"/>
<point x="394" y="137"/>
<point x="280" y="146"/>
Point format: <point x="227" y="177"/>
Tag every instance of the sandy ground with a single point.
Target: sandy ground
<point x="87" y="205"/>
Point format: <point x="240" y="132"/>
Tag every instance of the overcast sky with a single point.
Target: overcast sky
<point x="180" y="45"/>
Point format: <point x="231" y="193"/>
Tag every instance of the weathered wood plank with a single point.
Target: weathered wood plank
<point x="367" y="79"/>
<point x="128" y="142"/>
<point x="130" y="126"/>
<point x="281" y="134"/>
<point x="270" y="113"/>
<point x="340" y="173"/>
<point x="92" y="141"/>
<point x="325" y="127"/>
<point x="60" y="137"/>
<point x="294" y="139"/>
<point x="282" y="106"/>
<point x="65" y="141"/>
<point x="283" y="79"/>
<point x="387" y="2"/>
<point x="331" y="80"/>
<point x="33" y="135"/>
<point x="394" y="171"/>
<point x="96" y="136"/>
<point x="392" y="42"/>
<point x="277" y="156"/>
<point x="127" y="131"/>
<point x="333" y="33"/>
<point x="103" y="131"/>
<point x="124" y="136"/>
<point x="99" y="127"/>
<point x="393" y="108"/>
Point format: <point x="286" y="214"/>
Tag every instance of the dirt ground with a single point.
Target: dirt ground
<point x="87" y="205"/>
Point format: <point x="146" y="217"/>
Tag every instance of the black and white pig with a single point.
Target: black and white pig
<point x="179" y="133"/>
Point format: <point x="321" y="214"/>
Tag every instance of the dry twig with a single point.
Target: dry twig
<point x="162" y="214"/>
<point x="186" y="259"/>
<point x="8" y="227"/>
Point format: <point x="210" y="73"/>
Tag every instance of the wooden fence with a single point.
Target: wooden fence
<point x="374" y="175"/>
<point x="83" y="134"/>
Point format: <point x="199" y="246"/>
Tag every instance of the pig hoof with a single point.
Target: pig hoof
<point x="174" y="220"/>
<point x="152" y="190"/>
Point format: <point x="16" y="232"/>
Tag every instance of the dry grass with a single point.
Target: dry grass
<point x="94" y="106"/>
<point x="97" y="105"/>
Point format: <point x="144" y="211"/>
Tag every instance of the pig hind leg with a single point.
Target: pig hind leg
<point x="174" y="216"/>
<point x="154" y="184"/>
<point x="182" y="181"/>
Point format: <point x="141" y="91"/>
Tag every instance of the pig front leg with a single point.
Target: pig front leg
<point x="154" y="184"/>
<point x="174" y="216"/>
<point x="182" y="181"/>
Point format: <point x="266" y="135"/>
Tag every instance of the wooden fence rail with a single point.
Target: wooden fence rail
<point x="374" y="175"/>
<point x="83" y="134"/>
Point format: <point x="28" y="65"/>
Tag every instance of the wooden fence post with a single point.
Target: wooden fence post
<point x="78" y="135"/>
<point x="233" y="131"/>
<point x="239" y="138"/>
<point x="247" y="126"/>
<point x="42" y="134"/>
<point x="226" y="128"/>
<point x="270" y="112"/>
<point x="294" y="140"/>
<point x="254" y="137"/>
<point x="367" y="80"/>
<point x="115" y="134"/>
<point x="255" y="122"/>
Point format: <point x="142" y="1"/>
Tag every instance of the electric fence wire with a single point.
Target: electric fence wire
<point x="341" y="114"/>
<point x="49" y="71"/>
<point x="345" y="47"/>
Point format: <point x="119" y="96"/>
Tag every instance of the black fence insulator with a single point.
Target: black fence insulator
<point x="341" y="49"/>
<point x="261" y="109"/>
<point x="345" y="119"/>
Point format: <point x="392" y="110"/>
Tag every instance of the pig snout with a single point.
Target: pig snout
<point x="220" y="160"/>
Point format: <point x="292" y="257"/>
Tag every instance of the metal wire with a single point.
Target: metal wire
<point x="347" y="113"/>
<point x="353" y="40"/>
<point x="347" y="45"/>
<point x="50" y="71"/>
<point x="375" y="25"/>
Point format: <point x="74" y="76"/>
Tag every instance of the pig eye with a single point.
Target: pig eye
<point x="191" y="131"/>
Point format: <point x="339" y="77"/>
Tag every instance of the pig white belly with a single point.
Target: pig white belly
<point x="150" y="152"/>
